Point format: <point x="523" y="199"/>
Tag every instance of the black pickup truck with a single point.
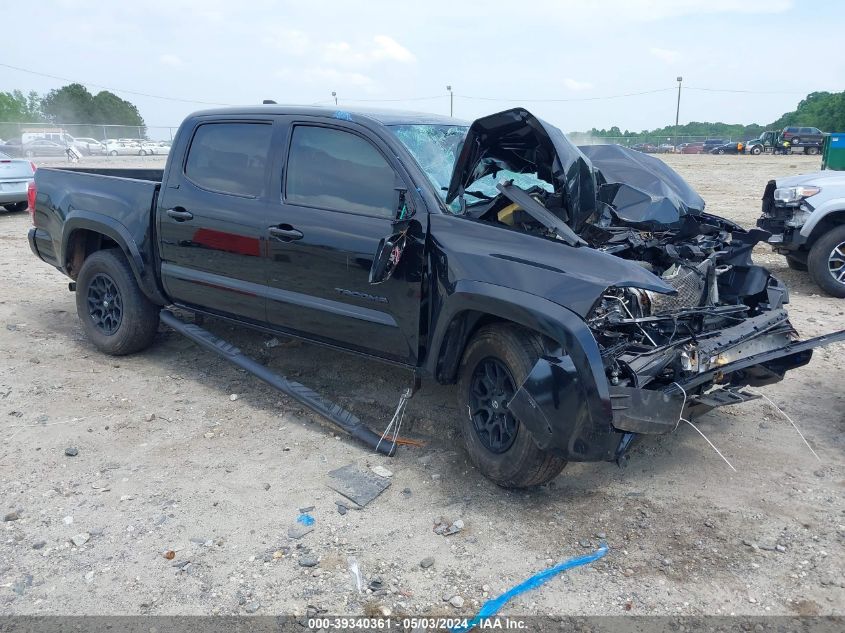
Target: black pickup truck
<point x="579" y="297"/>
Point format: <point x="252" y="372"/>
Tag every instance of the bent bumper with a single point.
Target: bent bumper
<point x="551" y="401"/>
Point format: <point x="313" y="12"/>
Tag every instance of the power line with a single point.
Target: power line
<point x="753" y="92"/>
<point x="525" y="100"/>
<point x="131" y="92"/>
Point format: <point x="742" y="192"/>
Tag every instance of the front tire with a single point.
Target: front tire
<point x="756" y="150"/>
<point x="116" y="315"/>
<point x="495" y="363"/>
<point x="113" y="152"/>
<point x="826" y="262"/>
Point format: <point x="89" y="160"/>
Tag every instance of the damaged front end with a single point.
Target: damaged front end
<point x="710" y="324"/>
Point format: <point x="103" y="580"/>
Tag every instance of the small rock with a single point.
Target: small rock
<point x="266" y="486"/>
<point x="80" y="539"/>
<point x="39" y="544"/>
<point x="71" y="451"/>
<point x="381" y="471"/>
<point x="308" y="561"/>
<point x="447" y="596"/>
<point x="752" y="600"/>
<point x="427" y="562"/>
<point x="150" y="417"/>
<point x="89" y="576"/>
<point x="252" y="607"/>
<point x="68" y="520"/>
<point x="306" y="509"/>
<point x="298" y="531"/>
<point x="234" y="397"/>
<point x="485" y="588"/>
<point x="709" y="523"/>
<point x="342" y="509"/>
<point x="459" y="524"/>
<point x="601" y="535"/>
<point x="406" y="492"/>
<point x="456" y="601"/>
<point x="585" y="543"/>
<point x="780" y="548"/>
<point x="819" y="473"/>
<point x="12" y="516"/>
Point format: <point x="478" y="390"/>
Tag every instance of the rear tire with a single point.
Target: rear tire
<point x="113" y="152"/>
<point x="720" y="152"/>
<point x="812" y="151"/>
<point x="15" y="207"/>
<point x="502" y="449"/>
<point x="826" y="262"/>
<point x="116" y="315"/>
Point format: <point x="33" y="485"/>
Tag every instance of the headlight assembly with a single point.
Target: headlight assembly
<point x="791" y="195"/>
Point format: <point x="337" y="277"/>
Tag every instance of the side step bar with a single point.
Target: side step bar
<point x="302" y="394"/>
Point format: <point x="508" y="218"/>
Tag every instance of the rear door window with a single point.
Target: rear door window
<point x="338" y="170"/>
<point x="230" y="158"/>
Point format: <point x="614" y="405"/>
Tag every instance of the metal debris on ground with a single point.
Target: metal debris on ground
<point x="444" y="527"/>
<point x="356" y="484"/>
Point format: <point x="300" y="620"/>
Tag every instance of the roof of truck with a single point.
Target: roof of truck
<point x="385" y="117"/>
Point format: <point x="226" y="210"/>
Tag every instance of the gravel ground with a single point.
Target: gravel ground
<point x="185" y="474"/>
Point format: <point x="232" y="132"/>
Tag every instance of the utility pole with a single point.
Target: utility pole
<point x="334" y="94"/>
<point x="678" y="108"/>
<point x="451" y="101"/>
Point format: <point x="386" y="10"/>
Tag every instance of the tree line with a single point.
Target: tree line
<point x="824" y="110"/>
<point x="71" y="104"/>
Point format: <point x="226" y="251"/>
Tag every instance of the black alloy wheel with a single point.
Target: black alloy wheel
<point x="105" y="305"/>
<point x="491" y="388"/>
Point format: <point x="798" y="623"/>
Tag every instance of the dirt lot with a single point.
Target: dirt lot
<point x="168" y="460"/>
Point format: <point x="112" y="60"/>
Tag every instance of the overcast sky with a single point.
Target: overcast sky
<point x="515" y="53"/>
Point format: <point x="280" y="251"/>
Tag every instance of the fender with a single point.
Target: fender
<point x="820" y="213"/>
<point x="80" y="219"/>
<point x="594" y="412"/>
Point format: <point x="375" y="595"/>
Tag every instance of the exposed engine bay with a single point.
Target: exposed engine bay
<point x="633" y="206"/>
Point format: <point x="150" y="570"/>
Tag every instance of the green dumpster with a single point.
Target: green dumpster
<point x="833" y="156"/>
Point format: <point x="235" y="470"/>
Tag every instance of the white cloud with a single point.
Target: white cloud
<point x="168" y="59"/>
<point x="575" y="85"/>
<point x="388" y="48"/>
<point x="382" y="48"/>
<point x="326" y="76"/>
<point x="290" y="41"/>
<point x="665" y="54"/>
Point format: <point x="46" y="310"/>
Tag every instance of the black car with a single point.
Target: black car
<point x="736" y="147"/>
<point x="578" y="296"/>
<point x="798" y="136"/>
<point x="711" y="143"/>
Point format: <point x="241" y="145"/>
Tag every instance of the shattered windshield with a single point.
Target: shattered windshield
<point x="436" y="148"/>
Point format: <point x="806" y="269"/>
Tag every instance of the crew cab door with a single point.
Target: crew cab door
<point x="339" y="189"/>
<point x="212" y="218"/>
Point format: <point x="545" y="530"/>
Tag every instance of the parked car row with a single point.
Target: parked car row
<point x="86" y="147"/>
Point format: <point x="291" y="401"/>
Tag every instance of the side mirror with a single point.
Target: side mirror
<point x="387" y="257"/>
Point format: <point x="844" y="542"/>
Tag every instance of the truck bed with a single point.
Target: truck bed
<point x="153" y="175"/>
<point x="122" y="200"/>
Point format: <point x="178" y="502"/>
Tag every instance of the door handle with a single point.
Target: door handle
<point x="179" y="214"/>
<point x="285" y="232"/>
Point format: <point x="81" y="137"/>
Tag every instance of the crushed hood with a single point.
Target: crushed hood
<point x="642" y="189"/>
<point x="517" y="141"/>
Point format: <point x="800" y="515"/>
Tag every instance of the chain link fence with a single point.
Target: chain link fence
<point x="14" y="131"/>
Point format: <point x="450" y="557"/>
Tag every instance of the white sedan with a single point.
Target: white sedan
<point x="124" y="149"/>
